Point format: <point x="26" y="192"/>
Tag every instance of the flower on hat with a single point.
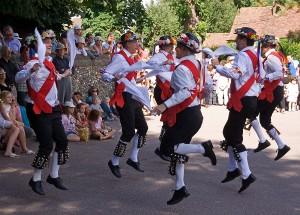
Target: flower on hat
<point x="128" y="36"/>
<point x="189" y="42"/>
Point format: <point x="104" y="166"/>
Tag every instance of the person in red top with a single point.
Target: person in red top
<point x="270" y="97"/>
<point x="162" y="89"/>
<point x="126" y="101"/>
<point x="44" y="114"/>
<point x="181" y="112"/>
<point x="242" y="104"/>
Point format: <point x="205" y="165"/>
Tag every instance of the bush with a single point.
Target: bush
<point x="291" y="48"/>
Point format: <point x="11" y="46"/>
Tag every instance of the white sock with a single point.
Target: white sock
<point x="37" y="175"/>
<point x="134" y="149"/>
<point x="115" y="160"/>
<point x="277" y="138"/>
<point x="179" y="176"/>
<point x="258" y="130"/>
<point x="184" y="149"/>
<point x="232" y="164"/>
<point x="54" y="168"/>
<point x="244" y="165"/>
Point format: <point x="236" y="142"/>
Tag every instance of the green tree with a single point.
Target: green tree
<point x="162" y="21"/>
<point x="44" y="14"/>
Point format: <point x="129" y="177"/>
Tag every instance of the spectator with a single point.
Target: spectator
<point x="97" y="130"/>
<point x="10" y="112"/>
<point x="292" y="94"/>
<point x="64" y="85"/>
<point x="13" y="43"/>
<point x="223" y="84"/>
<point x="78" y="32"/>
<point x="69" y="122"/>
<point x="77" y="98"/>
<point x="9" y="133"/>
<point x="108" y="46"/>
<point x="64" y="41"/>
<point x="3" y="85"/>
<point x="54" y="42"/>
<point x="96" y="104"/>
<point x="9" y="66"/>
<point x="291" y="66"/>
<point x="81" y="116"/>
<point x="81" y="47"/>
<point x="92" y="91"/>
<point x="97" y="47"/>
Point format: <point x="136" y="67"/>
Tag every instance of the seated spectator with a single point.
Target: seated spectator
<point x="97" y="47"/>
<point x="10" y="67"/>
<point x="107" y="109"/>
<point x="81" y="47"/>
<point x="96" y="104"/>
<point x="54" y="42"/>
<point x="81" y="116"/>
<point x="97" y="129"/>
<point x="93" y="91"/>
<point x="9" y="133"/>
<point x="3" y="85"/>
<point x="13" y="43"/>
<point x="77" y="98"/>
<point x="64" y="41"/>
<point x="108" y="46"/>
<point x="10" y="113"/>
<point x="69" y="122"/>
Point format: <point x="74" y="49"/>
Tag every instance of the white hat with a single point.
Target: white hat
<point x="77" y="27"/>
<point x="69" y="104"/>
<point x="231" y="58"/>
<point x="51" y="33"/>
<point x="16" y="36"/>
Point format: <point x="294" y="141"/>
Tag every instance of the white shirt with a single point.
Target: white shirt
<point x="183" y="83"/>
<point x="273" y="67"/>
<point x="243" y="63"/>
<point x="36" y="81"/>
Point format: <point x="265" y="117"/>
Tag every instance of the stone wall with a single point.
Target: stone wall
<point x="87" y="74"/>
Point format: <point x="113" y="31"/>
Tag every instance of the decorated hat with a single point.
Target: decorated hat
<point x="166" y="40"/>
<point x="128" y="36"/>
<point x="249" y="33"/>
<point x="51" y="33"/>
<point x="16" y="36"/>
<point x="77" y="27"/>
<point x="268" y="40"/>
<point x="190" y="41"/>
<point x="45" y="35"/>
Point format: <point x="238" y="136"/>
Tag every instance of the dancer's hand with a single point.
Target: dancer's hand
<point x="159" y="109"/>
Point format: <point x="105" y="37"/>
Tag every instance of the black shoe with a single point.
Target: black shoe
<point x="209" y="152"/>
<point x="246" y="182"/>
<point x="114" y="169"/>
<point x="36" y="186"/>
<point x="282" y="152"/>
<point x="262" y="146"/>
<point x="161" y="155"/>
<point x="231" y="175"/>
<point x="57" y="182"/>
<point x="178" y="196"/>
<point x="135" y="165"/>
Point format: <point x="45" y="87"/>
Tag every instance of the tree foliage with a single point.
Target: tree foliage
<point x="161" y="21"/>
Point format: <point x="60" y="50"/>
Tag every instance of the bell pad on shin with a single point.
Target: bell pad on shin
<point x="141" y="141"/>
<point x="40" y="161"/>
<point x="120" y="149"/>
<point x="63" y="156"/>
<point x="176" y="158"/>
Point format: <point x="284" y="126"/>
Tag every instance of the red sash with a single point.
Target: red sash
<point x="269" y="87"/>
<point x="236" y="95"/>
<point x="169" y="116"/>
<point x="165" y="86"/>
<point x="39" y="98"/>
<point x="117" y="98"/>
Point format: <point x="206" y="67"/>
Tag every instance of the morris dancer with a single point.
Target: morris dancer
<point x="270" y="97"/>
<point x="128" y="100"/>
<point x="242" y="103"/>
<point x="181" y="111"/>
<point x="44" y="115"/>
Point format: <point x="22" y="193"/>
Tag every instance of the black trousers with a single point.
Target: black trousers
<point x="233" y="129"/>
<point x="48" y="129"/>
<point x="131" y="118"/>
<point x="265" y="109"/>
<point x="188" y="123"/>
